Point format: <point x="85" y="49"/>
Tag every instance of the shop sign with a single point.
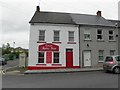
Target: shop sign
<point x="48" y="47"/>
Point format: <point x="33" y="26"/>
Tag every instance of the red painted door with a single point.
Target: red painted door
<point x="69" y="58"/>
<point x="48" y="57"/>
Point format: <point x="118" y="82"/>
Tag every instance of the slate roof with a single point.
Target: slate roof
<point x="69" y="18"/>
<point x="116" y="21"/>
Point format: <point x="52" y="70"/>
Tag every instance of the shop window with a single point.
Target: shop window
<point x="71" y="36"/>
<point x="99" y="34"/>
<point x="41" y="57"/>
<point x="56" y="57"/>
<point x="42" y="35"/>
<point x="101" y="55"/>
<point x="56" y="36"/>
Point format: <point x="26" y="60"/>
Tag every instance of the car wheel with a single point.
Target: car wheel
<point x="116" y="70"/>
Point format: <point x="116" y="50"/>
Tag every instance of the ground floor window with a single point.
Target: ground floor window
<point x="56" y="57"/>
<point x="41" y="57"/>
<point x="112" y="52"/>
<point x="101" y="55"/>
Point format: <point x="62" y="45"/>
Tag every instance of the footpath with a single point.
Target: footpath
<point x="22" y="71"/>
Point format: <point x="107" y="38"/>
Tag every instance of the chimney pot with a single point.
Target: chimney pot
<point x="99" y="13"/>
<point x="38" y="9"/>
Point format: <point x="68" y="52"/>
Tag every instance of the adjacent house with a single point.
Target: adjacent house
<point x="68" y="40"/>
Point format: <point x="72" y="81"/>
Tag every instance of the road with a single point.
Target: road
<point x="96" y="79"/>
<point x="10" y="63"/>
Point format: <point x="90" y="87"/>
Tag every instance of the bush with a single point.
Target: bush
<point x="9" y="56"/>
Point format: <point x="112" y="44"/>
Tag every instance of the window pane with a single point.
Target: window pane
<point x="41" y="57"/>
<point x="41" y="38"/>
<point x="40" y="60"/>
<point x="101" y="58"/>
<point x="111" y="37"/>
<point x="56" y="33"/>
<point x="41" y="33"/>
<point x="56" y="57"/>
<point x="56" y="38"/>
<point x="110" y="32"/>
<point x="71" y="39"/>
<point x="71" y="34"/>
<point x="112" y="52"/>
<point x="99" y="32"/>
<point x="87" y="36"/>
<point x="99" y="36"/>
<point x="101" y="55"/>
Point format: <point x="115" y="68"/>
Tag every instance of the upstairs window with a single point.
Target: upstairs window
<point x="56" y="36"/>
<point x="87" y="35"/>
<point x="71" y="36"/>
<point x="111" y="35"/>
<point x="42" y="35"/>
<point x="99" y="34"/>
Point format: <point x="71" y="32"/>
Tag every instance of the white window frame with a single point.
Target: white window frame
<point x="113" y="35"/>
<point x="71" y="37"/>
<point x="56" y="36"/>
<point x="113" y="51"/>
<point x="87" y="32"/>
<point x="100" y="56"/>
<point x="99" y="34"/>
<point x="42" y="35"/>
<point x="53" y="57"/>
<point x="44" y="57"/>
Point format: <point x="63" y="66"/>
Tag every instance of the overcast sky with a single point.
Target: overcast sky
<point x="16" y="14"/>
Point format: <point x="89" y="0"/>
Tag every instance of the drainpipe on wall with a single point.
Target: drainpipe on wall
<point x="80" y="61"/>
<point x="118" y="40"/>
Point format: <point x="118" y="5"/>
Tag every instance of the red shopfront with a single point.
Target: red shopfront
<point x="48" y="56"/>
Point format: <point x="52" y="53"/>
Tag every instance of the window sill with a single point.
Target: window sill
<point x="100" y="61"/>
<point x="56" y="64"/>
<point x="43" y="64"/>
<point x="87" y="40"/>
<point x="112" y="40"/>
<point x="71" y="43"/>
<point x="41" y="42"/>
<point x="57" y="42"/>
<point x="100" y="40"/>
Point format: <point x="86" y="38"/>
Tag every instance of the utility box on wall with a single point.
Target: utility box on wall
<point x="22" y="60"/>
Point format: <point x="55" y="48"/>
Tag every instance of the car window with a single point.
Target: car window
<point x="117" y="58"/>
<point x="108" y="59"/>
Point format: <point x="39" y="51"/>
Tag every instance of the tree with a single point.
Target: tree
<point x="6" y="49"/>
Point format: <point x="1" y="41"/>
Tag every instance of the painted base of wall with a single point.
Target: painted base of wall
<point x="43" y="68"/>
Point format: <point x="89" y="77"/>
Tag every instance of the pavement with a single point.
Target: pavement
<point x="16" y="70"/>
<point x="67" y="70"/>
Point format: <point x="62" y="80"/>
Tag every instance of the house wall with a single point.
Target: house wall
<point x="49" y="28"/>
<point x="95" y="45"/>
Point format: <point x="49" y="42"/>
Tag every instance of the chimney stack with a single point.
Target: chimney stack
<point x="38" y="9"/>
<point x="99" y="13"/>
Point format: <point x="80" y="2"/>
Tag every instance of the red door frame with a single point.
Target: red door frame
<point x="69" y="58"/>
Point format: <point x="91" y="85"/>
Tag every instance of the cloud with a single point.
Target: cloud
<point x="16" y="14"/>
<point x="21" y="38"/>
